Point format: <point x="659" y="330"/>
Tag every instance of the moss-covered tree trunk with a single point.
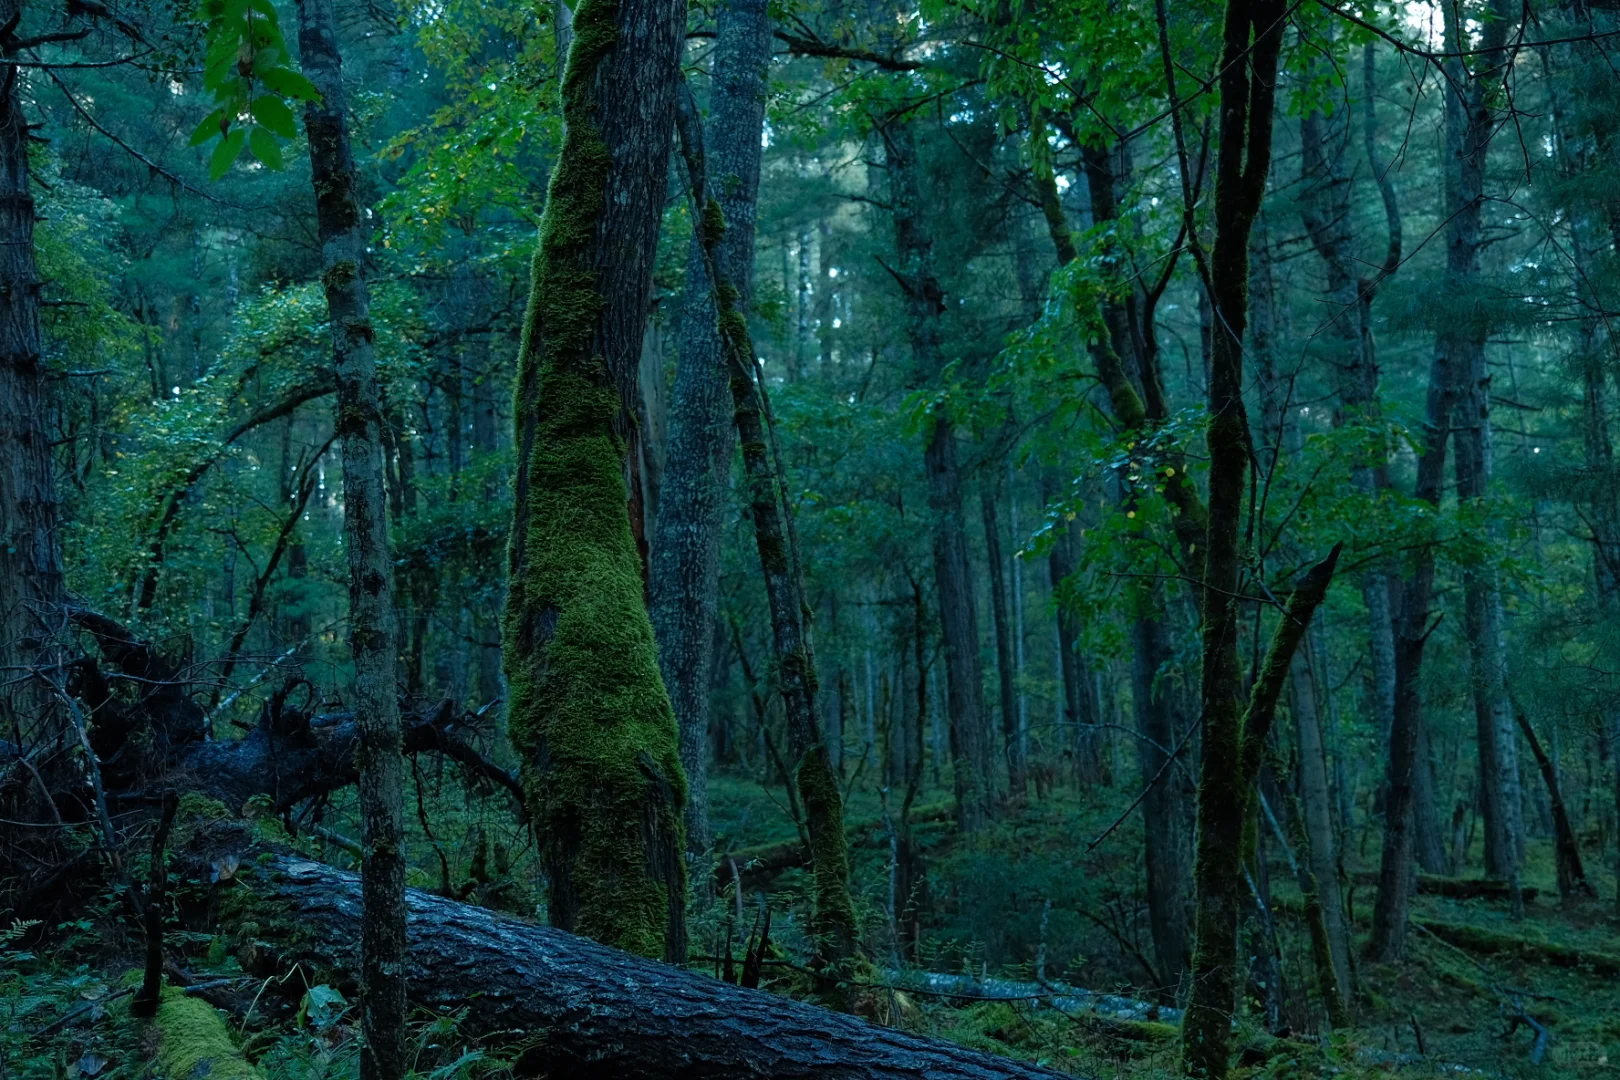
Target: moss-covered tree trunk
<point x="373" y="625"/>
<point x="589" y="715"/>
<point x="686" y="535"/>
<point x="819" y="792"/>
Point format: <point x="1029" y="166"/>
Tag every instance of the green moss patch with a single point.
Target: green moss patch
<point x="194" y="1043"/>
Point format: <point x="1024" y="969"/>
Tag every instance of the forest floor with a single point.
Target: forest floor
<point x="1478" y="1005"/>
<point x="1479" y="994"/>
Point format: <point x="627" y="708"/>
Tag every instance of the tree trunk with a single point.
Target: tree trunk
<point x="373" y="626"/>
<point x="1318" y="875"/>
<point x="974" y="774"/>
<point x="686" y="536"/>
<point x="1227" y="839"/>
<point x="1017" y="767"/>
<point x="1459" y="351"/>
<point x="819" y="791"/>
<point x="1395" y="868"/>
<point x="1252" y="31"/>
<point x="31" y="585"/>
<point x="1571" y="873"/>
<point x="1321" y="858"/>
<point x="594" y="1010"/>
<point x="589" y="715"/>
<point x="1166" y="847"/>
<point x="1498" y="744"/>
<point x="1470" y="122"/>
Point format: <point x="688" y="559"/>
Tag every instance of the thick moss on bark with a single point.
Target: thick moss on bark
<point x="589" y="713"/>
<point x="195" y="1044"/>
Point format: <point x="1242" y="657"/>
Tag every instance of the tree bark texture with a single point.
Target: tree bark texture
<point x="597" y="1011"/>
<point x="589" y="714"/>
<point x="817" y="784"/>
<point x="686" y="536"/>
<point x="31" y="584"/>
<point x="1225" y="845"/>
<point x="373" y="627"/>
<point x="973" y="770"/>
<point x="1252" y="36"/>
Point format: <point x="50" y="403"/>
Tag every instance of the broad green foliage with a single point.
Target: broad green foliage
<point x="249" y="71"/>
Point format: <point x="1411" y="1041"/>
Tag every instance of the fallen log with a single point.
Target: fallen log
<point x="1476" y="939"/>
<point x="1057" y="995"/>
<point x="1458" y="888"/>
<point x="597" y="1012"/>
<point x="759" y="864"/>
<point x="294" y="758"/>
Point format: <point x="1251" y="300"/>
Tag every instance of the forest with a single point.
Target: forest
<point x="847" y="539"/>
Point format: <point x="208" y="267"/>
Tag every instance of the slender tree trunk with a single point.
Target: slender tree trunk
<point x="1321" y="856"/>
<point x="1571" y="873"/>
<point x="1470" y="122"/>
<point x="1166" y="847"/>
<point x="1017" y="767"/>
<point x="1395" y="868"/>
<point x="1252" y="36"/>
<point x="1458" y="355"/>
<point x="1498" y="744"/>
<point x="817" y="784"/>
<point x="686" y="537"/>
<point x="31" y="583"/>
<point x="1078" y="700"/>
<point x="1318" y="873"/>
<point x="589" y="715"/>
<point x="974" y="775"/>
<point x="373" y="626"/>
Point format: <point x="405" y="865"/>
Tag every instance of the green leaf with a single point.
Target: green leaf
<point x="323" y="1006"/>
<point x="225" y="154"/>
<point x="209" y="127"/>
<point x="265" y="148"/>
<point x="274" y="114"/>
<point x="289" y="82"/>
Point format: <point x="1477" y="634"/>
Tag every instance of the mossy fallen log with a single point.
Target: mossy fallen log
<point x="757" y="865"/>
<point x="590" y="1011"/>
<point x="1458" y="888"/>
<point x="1477" y="939"/>
<point x="195" y="1044"/>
